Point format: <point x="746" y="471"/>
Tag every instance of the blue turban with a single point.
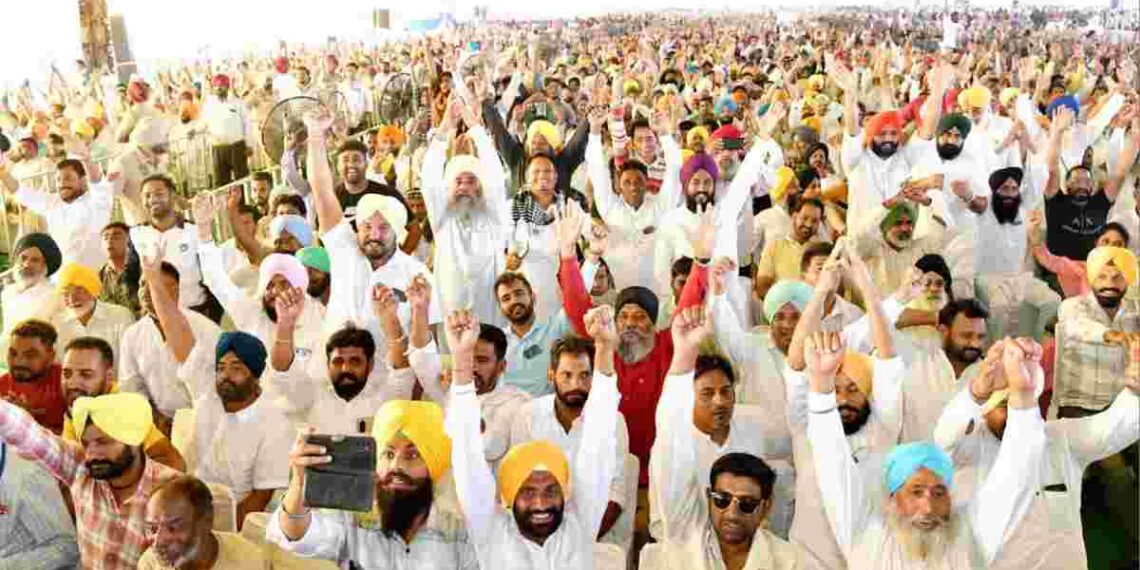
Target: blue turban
<point x="787" y="291"/>
<point x="295" y="225"/>
<point x="725" y="106"/>
<point x="246" y="347"/>
<point x="1063" y="101"/>
<point x="906" y="459"/>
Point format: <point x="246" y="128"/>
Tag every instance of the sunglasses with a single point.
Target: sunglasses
<point x="746" y="505"/>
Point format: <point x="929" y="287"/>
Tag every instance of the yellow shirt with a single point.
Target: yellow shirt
<point x="781" y="258"/>
<point x="235" y="552"/>
<point x="153" y="438"/>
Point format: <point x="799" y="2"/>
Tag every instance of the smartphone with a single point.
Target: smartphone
<point x="733" y="144"/>
<point x="345" y="483"/>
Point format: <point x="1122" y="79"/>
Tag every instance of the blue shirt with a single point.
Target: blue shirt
<point x="528" y="357"/>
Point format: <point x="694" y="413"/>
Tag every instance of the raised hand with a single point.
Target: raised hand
<point x="1033" y="230"/>
<point x="318" y="123"/>
<point x="1132" y="368"/>
<point x="204" y="209"/>
<point x="462" y="332"/>
<point x="600" y="325"/>
<point x="691" y="326"/>
<point x="1062" y="120"/>
<point x="1021" y="359"/>
<point x="703" y="236"/>
<point x="823" y="352"/>
<point x="567" y="227"/>
<point x="597" y="116"/>
<point x="991" y="374"/>
<point x="384" y="305"/>
<point x="721" y="270"/>
<point x="911" y="286"/>
<point x="599" y="239"/>
<point x="288" y="304"/>
<point x="419" y="293"/>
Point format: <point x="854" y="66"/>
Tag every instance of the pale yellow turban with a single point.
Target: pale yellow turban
<point x="420" y="422"/>
<point x="548" y="132"/>
<point x="1008" y="95"/>
<point x="526" y="458"/>
<point x="1118" y="257"/>
<point x="974" y="98"/>
<point x="81" y="276"/>
<point x="125" y="416"/>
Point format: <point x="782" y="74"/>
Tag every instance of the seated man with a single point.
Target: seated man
<point x="83" y="314"/>
<point x="105" y="471"/>
<point x="550" y="514"/>
<point x="740" y="494"/>
<point x="35" y="257"/>
<point x="972" y="429"/>
<point x="180" y="514"/>
<point x="37" y="530"/>
<point x="916" y="526"/>
<point x="32" y="379"/>
<point x="88" y="371"/>
<point x="409" y="526"/>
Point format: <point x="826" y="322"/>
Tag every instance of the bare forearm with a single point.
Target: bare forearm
<point x="420" y="334"/>
<point x="175" y="325"/>
<point x="809" y="323"/>
<point x="282" y="351"/>
<point x="329" y="212"/>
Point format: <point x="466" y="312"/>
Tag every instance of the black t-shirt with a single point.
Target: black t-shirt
<point x="348" y="201"/>
<point x="1073" y="229"/>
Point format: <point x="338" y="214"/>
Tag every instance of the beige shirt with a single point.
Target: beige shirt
<point x="237" y="553"/>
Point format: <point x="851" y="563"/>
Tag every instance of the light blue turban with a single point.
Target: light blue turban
<point x="295" y="225"/>
<point x="786" y="291"/>
<point x="906" y="459"/>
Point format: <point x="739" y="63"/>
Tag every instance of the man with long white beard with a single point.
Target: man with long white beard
<point x="972" y="428"/>
<point x="468" y="214"/>
<point x="1014" y="296"/>
<point x="914" y="524"/>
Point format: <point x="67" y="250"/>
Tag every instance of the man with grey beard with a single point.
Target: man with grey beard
<point x="915" y="525"/>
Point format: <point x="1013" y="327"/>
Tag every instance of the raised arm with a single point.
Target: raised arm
<point x="329" y="212"/>
<point x="244" y="235"/>
<point x="210" y="256"/>
<point x="673" y="464"/>
<point x="812" y="317"/>
<point x="1124" y="162"/>
<point x="576" y="299"/>
<point x="1004" y="499"/>
<point x="597" y="168"/>
<point x="173" y="323"/>
<point x="1062" y="120"/>
<point x="474" y="482"/>
<point x="23" y="435"/>
<point x="596" y="462"/>
<point x="840" y="482"/>
<point x="939" y="81"/>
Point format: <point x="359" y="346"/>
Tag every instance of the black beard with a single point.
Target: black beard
<point x="949" y="151"/>
<point x="862" y="415"/>
<point x="522" y="519"/>
<point x="399" y="509"/>
<point x="316" y="289"/>
<point x="574" y="399"/>
<point x="884" y="150"/>
<point x="1109" y="300"/>
<point x="270" y="310"/>
<point x="348" y="390"/>
<point x="694" y="202"/>
<point x="1005" y="209"/>
<point x="519" y="318"/>
<point x="103" y="470"/>
<point x="231" y="392"/>
<point x="969" y="355"/>
<point x="1080" y="200"/>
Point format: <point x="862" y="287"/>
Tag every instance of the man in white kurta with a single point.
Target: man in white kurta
<point x="871" y="538"/>
<point x="75" y="215"/>
<point x="494" y="530"/>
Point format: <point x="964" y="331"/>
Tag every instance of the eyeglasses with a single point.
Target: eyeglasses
<point x="746" y="505"/>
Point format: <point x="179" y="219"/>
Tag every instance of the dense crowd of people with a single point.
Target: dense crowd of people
<point x="663" y="292"/>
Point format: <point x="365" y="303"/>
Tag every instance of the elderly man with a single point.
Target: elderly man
<point x="84" y="314"/>
<point x="35" y="525"/>
<point x="409" y="527"/>
<point x="36" y="257"/>
<point x="972" y="429"/>
<point x="551" y="508"/>
<point x="32" y="381"/>
<point x="1003" y="283"/>
<point x="725" y="527"/>
<point x="916" y="526"/>
<point x="468" y="214"/>
<point x="76" y="213"/>
<point x="890" y="246"/>
<point x="106" y="470"/>
<point x="632" y="217"/>
<point x="180" y="515"/>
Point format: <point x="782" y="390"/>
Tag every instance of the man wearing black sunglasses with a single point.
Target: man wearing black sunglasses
<point x="722" y="525"/>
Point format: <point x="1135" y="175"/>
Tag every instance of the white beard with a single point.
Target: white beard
<point x="929" y="546"/>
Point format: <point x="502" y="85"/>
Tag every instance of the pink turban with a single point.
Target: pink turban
<point x="285" y="265"/>
<point x="699" y="161"/>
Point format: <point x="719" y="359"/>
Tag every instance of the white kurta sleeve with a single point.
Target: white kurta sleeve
<point x="474" y="482"/>
<point x="325" y="537"/>
<point x="1100" y="435"/>
<point x="852" y="151"/>
<point x="594" y="463"/>
<point x="432" y="184"/>
<point x="887" y="383"/>
<point x="427" y="366"/>
<point x="1005" y="497"/>
<point x="670" y="195"/>
<point x="954" y="425"/>
<point x="730" y="334"/>
<point x="735" y="198"/>
<point x="217" y="278"/>
<point x="673" y="463"/>
<point x="840" y="483"/>
<point x="599" y="173"/>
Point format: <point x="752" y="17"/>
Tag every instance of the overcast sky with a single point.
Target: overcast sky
<point x="48" y="30"/>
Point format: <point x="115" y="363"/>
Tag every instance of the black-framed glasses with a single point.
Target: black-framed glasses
<point x="722" y="501"/>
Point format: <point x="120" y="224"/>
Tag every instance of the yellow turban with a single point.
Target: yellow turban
<point x="82" y="128"/>
<point x="631" y="87"/>
<point x="696" y="134"/>
<point x="81" y="276"/>
<point x="686" y="154"/>
<point x="526" y="458"/>
<point x="860" y="369"/>
<point x="816" y="82"/>
<point x="974" y="98"/>
<point x="125" y="416"/>
<point x="784" y="178"/>
<point x="548" y="132"/>
<point x="813" y="123"/>
<point x="1118" y="257"/>
<point x="420" y="422"/>
<point x="459" y="164"/>
<point x="1008" y="95"/>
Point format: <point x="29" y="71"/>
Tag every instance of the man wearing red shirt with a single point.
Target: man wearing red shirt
<point x="33" y="378"/>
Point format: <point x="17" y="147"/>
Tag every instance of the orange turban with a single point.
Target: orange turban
<point x="391" y="132"/>
<point x="875" y="125"/>
<point x="526" y="458"/>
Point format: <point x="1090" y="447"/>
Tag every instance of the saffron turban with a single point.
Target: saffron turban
<point x="526" y="458"/>
<point x="422" y="424"/>
<point x="880" y="121"/>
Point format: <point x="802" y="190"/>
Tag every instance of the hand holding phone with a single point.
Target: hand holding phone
<point x="345" y="481"/>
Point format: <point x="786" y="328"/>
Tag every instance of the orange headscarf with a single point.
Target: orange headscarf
<point x="874" y="125"/>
